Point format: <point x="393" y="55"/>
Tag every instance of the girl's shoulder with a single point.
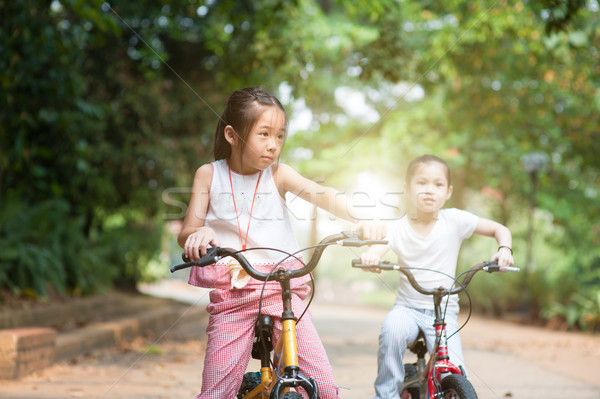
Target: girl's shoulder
<point x="287" y="179"/>
<point x="279" y="167"/>
<point x="207" y="168"/>
<point x="204" y="174"/>
<point x="282" y="172"/>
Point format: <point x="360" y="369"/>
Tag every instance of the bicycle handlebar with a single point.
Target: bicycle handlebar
<point x="488" y="266"/>
<point x="214" y="254"/>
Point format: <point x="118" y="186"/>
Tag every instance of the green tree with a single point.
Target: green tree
<point x="107" y="109"/>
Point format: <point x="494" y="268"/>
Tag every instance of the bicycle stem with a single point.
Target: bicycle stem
<point x="286" y="294"/>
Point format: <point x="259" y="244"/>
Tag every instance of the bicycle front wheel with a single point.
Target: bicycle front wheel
<point x="250" y="381"/>
<point x="410" y="391"/>
<point x="457" y="386"/>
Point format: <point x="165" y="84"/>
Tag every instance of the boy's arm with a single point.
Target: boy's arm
<point x="503" y="237"/>
<point x="194" y="237"/>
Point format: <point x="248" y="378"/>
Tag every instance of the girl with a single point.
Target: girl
<point x="238" y="202"/>
<point x="426" y="237"/>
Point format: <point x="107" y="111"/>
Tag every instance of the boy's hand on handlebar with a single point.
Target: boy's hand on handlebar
<point x="371" y="230"/>
<point x="197" y="243"/>
<point x="370" y="258"/>
<point x="504" y="257"/>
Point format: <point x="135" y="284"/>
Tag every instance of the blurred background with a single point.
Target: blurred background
<point x="107" y="110"/>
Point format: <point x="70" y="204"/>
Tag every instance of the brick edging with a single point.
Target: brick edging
<point x="26" y="350"/>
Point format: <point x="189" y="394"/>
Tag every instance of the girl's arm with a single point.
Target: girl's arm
<point x="503" y="237"/>
<point x="194" y="237"/>
<point x="326" y="198"/>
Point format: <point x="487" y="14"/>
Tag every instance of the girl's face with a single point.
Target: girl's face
<point x="263" y="144"/>
<point x="429" y="189"/>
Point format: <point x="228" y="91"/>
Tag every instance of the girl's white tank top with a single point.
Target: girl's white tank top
<point x="268" y="225"/>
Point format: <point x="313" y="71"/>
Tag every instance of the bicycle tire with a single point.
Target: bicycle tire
<point x="410" y="391"/>
<point x="250" y="381"/>
<point x="291" y="395"/>
<point x="456" y="386"/>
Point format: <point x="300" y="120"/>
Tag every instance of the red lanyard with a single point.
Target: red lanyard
<point x="243" y="241"/>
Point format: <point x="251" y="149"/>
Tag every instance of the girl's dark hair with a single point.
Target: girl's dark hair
<point x="242" y="111"/>
<point x="424" y="159"/>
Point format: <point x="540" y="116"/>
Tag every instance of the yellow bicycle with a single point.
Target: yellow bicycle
<point x="279" y="376"/>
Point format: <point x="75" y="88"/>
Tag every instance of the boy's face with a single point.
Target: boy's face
<point x="429" y="189"/>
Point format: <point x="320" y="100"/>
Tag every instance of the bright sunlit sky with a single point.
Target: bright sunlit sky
<point x="353" y="103"/>
<point x="369" y="195"/>
<point x="369" y="192"/>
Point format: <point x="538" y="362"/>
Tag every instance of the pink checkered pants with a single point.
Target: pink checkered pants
<point x="230" y="334"/>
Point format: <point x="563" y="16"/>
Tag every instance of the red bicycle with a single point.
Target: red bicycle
<point x="438" y="377"/>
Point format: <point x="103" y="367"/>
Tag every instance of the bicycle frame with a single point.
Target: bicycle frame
<point x="429" y="375"/>
<point x="440" y="359"/>
<point x="285" y="356"/>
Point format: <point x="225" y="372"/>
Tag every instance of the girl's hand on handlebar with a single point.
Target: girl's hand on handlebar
<point x="197" y="243"/>
<point x="371" y="230"/>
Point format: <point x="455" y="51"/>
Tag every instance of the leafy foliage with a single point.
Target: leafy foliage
<point x="501" y="81"/>
<point x="43" y="246"/>
<point x="109" y="107"/>
<point x="38" y="248"/>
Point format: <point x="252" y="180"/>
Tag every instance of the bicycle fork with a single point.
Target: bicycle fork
<point x="286" y="352"/>
<point x="441" y="365"/>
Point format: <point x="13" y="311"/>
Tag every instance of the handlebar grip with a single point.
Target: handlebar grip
<point x="205" y="261"/>
<point x="493" y="267"/>
<point x="381" y="266"/>
<point x="210" y="258"/>
<point x="358" y="264"/>
<point x="352" y="242"/>
<point x="377" y="242"/>
<point x="174" y="268"/>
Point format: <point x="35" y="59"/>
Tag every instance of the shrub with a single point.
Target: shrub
<point x="43" y="246"/>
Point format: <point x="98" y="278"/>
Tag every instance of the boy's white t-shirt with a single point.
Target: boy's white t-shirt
<point x="438" y="250"/>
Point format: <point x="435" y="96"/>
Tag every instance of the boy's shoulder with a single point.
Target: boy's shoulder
<point x="456" y="215"/>
<point x="455" y="212"/>
<point x="397" y="223"/>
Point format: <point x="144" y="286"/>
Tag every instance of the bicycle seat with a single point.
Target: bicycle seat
<point x="418" y="345"/>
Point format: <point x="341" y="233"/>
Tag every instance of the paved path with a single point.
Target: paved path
<point x="504" y="361"/>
